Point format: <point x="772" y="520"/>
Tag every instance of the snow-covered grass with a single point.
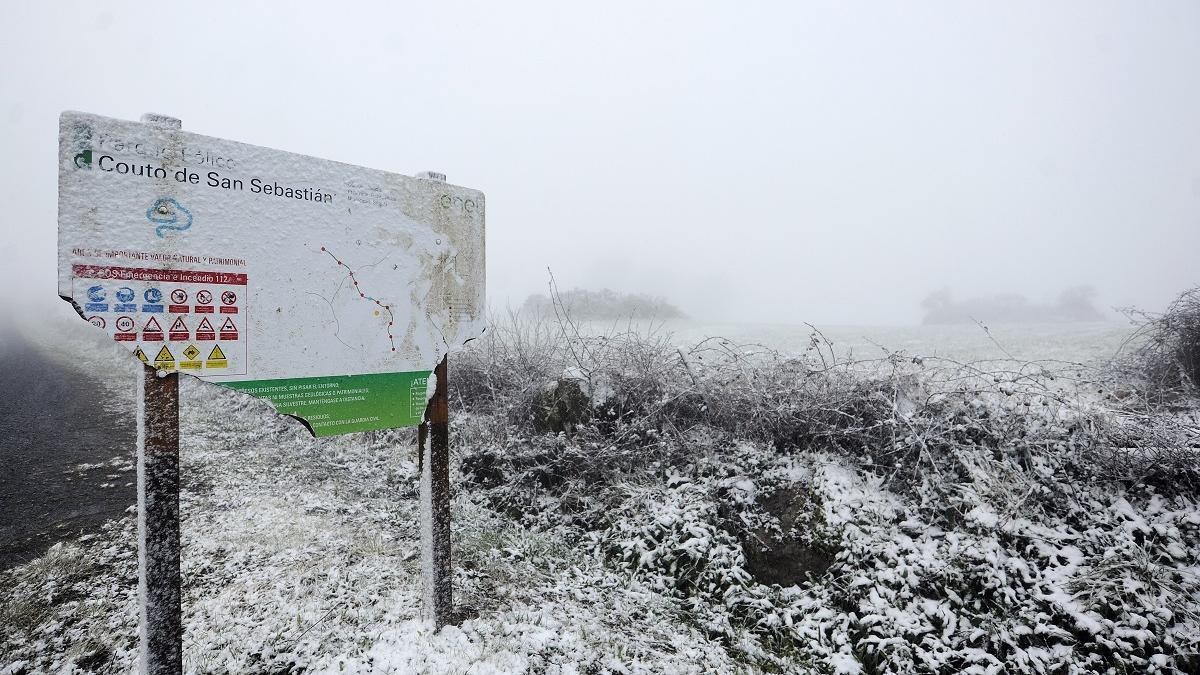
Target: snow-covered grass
<point x="301" y="556"/>
<point x="626" y="505"/>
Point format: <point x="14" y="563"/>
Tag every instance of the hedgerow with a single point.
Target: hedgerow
<point x="943" y="517"/>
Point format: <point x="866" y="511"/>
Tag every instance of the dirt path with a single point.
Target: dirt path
<point x="67" y="450"/>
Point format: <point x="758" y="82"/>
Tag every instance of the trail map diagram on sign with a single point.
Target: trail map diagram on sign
<point x="382" y="309"/>
<point x="331" y="290"/>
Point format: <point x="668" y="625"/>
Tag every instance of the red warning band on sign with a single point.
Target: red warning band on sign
<point x="147" y="274"/>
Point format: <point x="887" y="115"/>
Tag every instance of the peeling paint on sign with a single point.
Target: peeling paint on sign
<point x="328" y="289"/>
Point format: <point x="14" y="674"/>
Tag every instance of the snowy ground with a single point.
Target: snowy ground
<point x="1078" y="342"/>
<point x="300" y="555"/>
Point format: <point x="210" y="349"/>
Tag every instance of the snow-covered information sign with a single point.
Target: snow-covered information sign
<point x="328" y="289"/>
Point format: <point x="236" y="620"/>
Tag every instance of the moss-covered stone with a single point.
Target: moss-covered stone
<point x="790" y="555"/>
<point x="561" y="406"/>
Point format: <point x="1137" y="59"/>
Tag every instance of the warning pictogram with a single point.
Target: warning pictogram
<point x="204" y="331"/>
<point x="201" y="320"/>
<point x="216" y="358"/>
<point x="178" y="297"/>
<point x="134" y="325"/>
<point x="228" y="330"/>
<point x="190" y="353"/>
<point x="153" y="297"/>
<point x="141" y="355"/>
<point x="164" y="359"/>
<point x="124" y="332"/>
<point x="95" y="303"/>
<point x="228" y="298"/>
<point x="125" y="303"/>
<point x="152" y="332"/>
<point x="179" y="330"/>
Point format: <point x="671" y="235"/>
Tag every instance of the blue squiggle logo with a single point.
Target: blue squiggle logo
<point x="168" y="213"/>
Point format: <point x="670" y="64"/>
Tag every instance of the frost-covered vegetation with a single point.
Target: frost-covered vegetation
<point x="895" y="515"/>
<point x="628" y="505"/>
<point x="1160" y="362"/>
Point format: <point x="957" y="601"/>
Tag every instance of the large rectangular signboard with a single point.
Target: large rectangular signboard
<point x="328" y="289"/>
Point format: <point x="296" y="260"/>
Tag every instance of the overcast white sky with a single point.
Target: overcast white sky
<point x="779" y="162"/>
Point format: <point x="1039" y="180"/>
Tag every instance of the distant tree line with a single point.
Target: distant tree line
<point x="1073" y="304"/>
<point x="604" y="304"/>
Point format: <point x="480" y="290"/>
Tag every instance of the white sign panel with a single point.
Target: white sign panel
<point x="331" y="290"/>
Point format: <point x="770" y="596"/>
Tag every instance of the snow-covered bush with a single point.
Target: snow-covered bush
<point x="974" y="514"/>
<point x="671" y="536"/>
<point x="1162" y="361"/>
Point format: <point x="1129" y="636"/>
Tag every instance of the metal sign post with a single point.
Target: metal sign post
<point x="433" y="439"/>
<point x="160" y="621"/>
<point x="160" y="626"/>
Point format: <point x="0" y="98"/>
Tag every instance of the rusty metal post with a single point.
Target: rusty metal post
<point x="159" y="591"/>
<point x="160" y="624"/>
<point x="433" y="438"/>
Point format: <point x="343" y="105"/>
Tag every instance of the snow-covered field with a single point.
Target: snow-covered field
<point x="631" y="548"/>
<point x="1078" y="342"/>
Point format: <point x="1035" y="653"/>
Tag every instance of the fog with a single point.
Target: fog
<point x="772" y="163"/>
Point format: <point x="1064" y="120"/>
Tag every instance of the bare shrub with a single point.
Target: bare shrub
<point x="515" y="352"/>
<point x="928" y="485"/>
<point x="1162" y="357"/>
<point x="631" y="387"/>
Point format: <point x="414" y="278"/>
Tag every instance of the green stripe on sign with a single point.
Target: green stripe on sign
<point x="343" y="404"/>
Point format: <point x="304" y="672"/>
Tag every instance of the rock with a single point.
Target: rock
<point x="787" y="557"/>
<point x="561" y="405"/>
